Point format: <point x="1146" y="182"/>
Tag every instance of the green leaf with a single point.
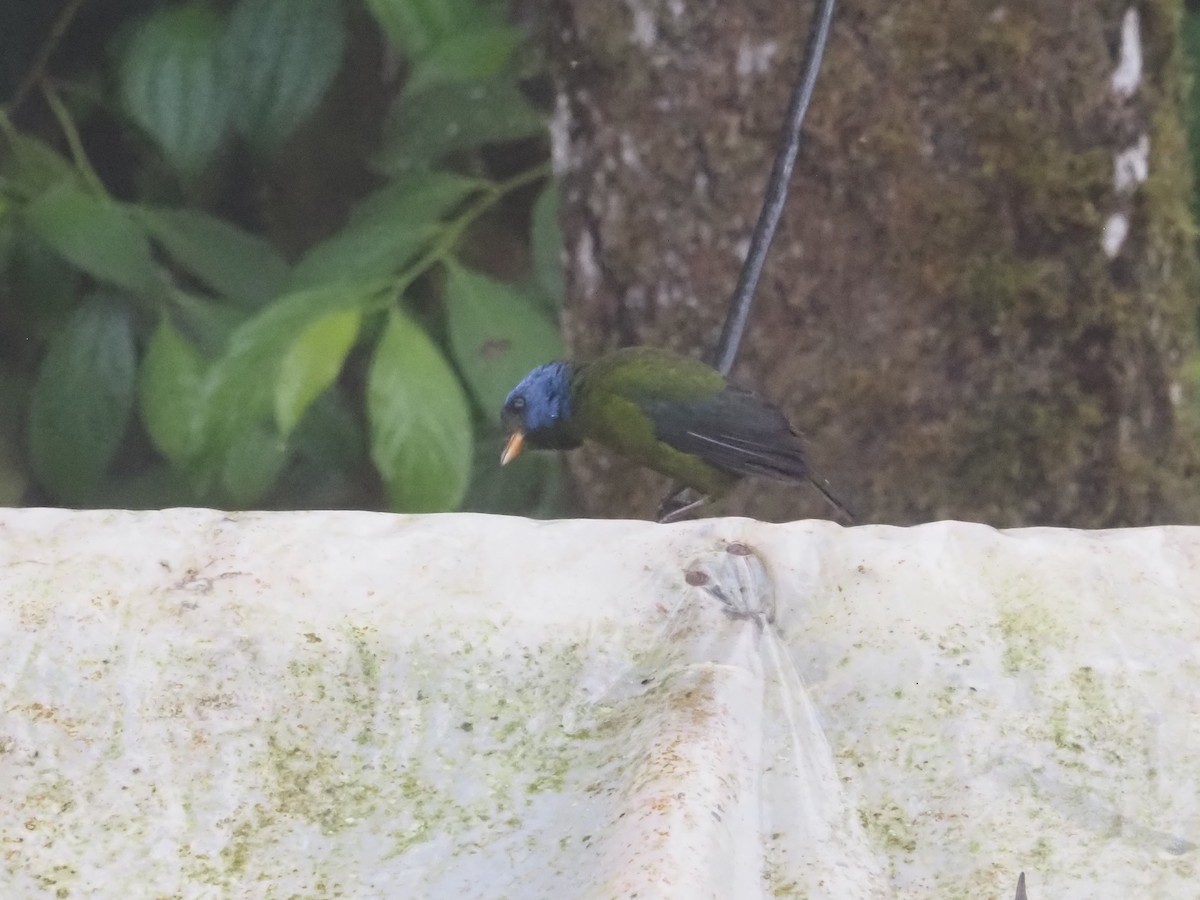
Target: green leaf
<point x="530" y="485"/>
<point x="547" y="244"/>
<point x="158" y="487"/>
<point x="95" y="235"/>
<point x="403" y="26"/>
<point x="204" y="322"/>
<point x="169" y="394"/>
<point x="82" y="399"/>
<point x="386" y="230"/>
<point x="419" y="420"/>
<point x="327" y="460"/>
<point x="415" y="26"/>
<point x="312" y="364"/>
<point x="473" y="55"/>
<point x="282" y="56"/>
<point x="31" y="164"/>
<point x="233" y="262"/>
<point x="414" y="200"/>
<point x="360" y="254"/>
<point x="239" y="388"/>
<point x="172" y="84"/>
<point x="497" y="335"/>
<point x="253" y="464"/>
<point x="42" y="286"/>
<point x="330" y="436"/>
<point x="422" y="128"/>
<point x="14" y="401"/>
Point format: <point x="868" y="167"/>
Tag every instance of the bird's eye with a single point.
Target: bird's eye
<point x="517" y="404"/>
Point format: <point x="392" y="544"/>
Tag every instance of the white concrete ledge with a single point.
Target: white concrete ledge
<point x="197" y="704"/>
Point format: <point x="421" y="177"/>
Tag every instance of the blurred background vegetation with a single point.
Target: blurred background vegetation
<point x="272" y="253"/>
<point x="278" y="253"/>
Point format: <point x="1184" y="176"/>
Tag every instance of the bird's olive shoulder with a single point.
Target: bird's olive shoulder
<point x="637" y="372"/>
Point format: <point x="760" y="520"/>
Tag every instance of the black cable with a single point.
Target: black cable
<point x="776" y="195"/>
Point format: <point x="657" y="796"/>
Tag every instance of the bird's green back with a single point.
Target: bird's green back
<point x="614" y="397"/>
<point x="638" y="372"/>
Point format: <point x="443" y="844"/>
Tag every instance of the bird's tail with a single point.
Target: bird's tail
<point x="823" y="486"/>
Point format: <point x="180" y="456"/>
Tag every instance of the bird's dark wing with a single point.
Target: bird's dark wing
<point x="733" y="430"/>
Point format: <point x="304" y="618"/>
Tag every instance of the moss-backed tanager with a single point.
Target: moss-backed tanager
<point x="671" y="413"/>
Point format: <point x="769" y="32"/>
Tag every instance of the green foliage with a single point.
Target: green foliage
<point x="95" y="235"/>
<point x="252" y="463"/>
<point x="547" y="246"/>
<point x="186" y="337"/>
<point x="473" y="55"/>
<point x="228" y="260"/>
<point x="497" y="334"/>
<point x="30" y="165"/>
<point x="14" y="480"/>
<point x="281" y="55"/>
<point x="420" y="422"/>
<point x="418" y="27"/>
<point x="169" y="393"/>
<point x="530" y="485"/>
<point x="386" y="230"/>
<point x="312" y="365"/>
<point x="82" y="399"/>
<point x="238" y="393"/>
<point x="173" y="85"/>
<point x="43" y="287"/>
<point x="426" y="126"/>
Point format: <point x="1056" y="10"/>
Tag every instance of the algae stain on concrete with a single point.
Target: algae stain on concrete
<point x="318" y="787"/>
<point x="504" y="720"/>
<point x="460" y="741"/>
<point x="1029" y="632"/>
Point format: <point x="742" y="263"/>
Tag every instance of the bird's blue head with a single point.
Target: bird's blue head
<point x="538" y="411"/>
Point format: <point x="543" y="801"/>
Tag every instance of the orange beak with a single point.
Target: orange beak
<point x="515" y="442"/>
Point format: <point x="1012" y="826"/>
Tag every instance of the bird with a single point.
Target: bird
<point x="666" y="411"/>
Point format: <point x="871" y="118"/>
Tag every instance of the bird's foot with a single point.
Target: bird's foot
<point x="679" y="505"/>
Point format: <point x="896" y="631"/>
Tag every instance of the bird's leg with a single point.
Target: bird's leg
<point x="676" y="515"/>
<point x="677" y="504"/>
<point x="823" y="486"/>
<point x="678" y="497"/>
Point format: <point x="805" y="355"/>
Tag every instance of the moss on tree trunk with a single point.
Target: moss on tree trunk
<point x="982" y="299"/>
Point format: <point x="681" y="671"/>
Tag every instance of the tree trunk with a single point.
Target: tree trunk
<point x="980" y="302"/>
